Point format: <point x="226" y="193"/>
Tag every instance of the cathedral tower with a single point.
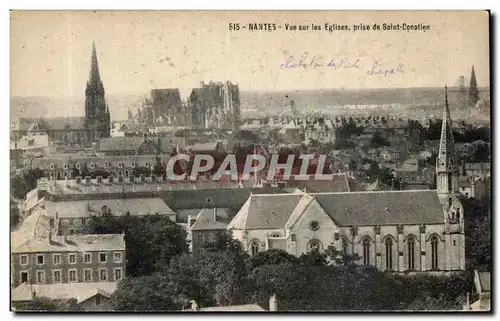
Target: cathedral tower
<point x="97" y="116"/>
<point x="447" y="167"/>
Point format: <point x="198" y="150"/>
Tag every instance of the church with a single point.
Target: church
<point x="400" y="231"/>
<point x="75" y="132"/>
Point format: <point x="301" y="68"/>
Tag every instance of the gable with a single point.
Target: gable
<point x="313" y="212"/>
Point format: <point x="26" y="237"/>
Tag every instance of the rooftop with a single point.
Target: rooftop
<point x="63" y="291"/>
<point x="74" y="243"/>
<point x="118" y="206"/>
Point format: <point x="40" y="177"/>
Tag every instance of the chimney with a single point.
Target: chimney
<point x="273" y="303"/>
<point x="78" y="179"/>
<point x="215" y="214"/>
<point x="87" y="180"/>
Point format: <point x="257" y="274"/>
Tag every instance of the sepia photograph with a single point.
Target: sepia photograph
<point x="250" y="161"/>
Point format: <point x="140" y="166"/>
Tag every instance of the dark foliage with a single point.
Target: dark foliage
<point x="152" y="241"/>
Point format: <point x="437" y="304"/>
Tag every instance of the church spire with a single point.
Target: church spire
<point x="447" y="166"/>
<point x="94" y="67"/>
<point x="473" y="97"/>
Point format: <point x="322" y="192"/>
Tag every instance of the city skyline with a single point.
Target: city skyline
<point x="131" y="54"/>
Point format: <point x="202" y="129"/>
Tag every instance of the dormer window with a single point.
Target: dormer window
<point x="65" y="166"/>
<point x="147" y="164"/>
<point x="92" y="165"/>
<point x="106" y="164"/>
<point x="52" y="166"/>
<point x="133" y="164"/>
<point x="78" y="165"/>
<point x="120" y="165"/>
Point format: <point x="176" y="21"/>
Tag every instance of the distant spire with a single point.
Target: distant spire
<point x="473" y="97"/>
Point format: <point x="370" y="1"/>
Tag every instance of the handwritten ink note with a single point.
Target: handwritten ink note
<point x="372" y="67"/>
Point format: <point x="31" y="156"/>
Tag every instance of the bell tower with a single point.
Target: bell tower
<point x="97" y="117"/>
<point x="447" y="167"/>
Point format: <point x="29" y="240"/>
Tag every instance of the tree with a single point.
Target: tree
<point x="378" y="141"/>
<point x="374" y="170"/>
<point x="222" y="242"/>
<point x="152" y="240"/>
<point x="15" y="218"/>
<point x="273" y="257"/>
<point x="478" y="229"/>
<point x="144" y="293"/>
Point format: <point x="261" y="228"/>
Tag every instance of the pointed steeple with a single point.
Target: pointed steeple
<point x="97" y="116"/>
<point x="473" y="96"/>
<point x="94" y="67"/>
<point x="447" y="165"/>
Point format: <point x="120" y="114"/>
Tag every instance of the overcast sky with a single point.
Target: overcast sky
<point x="138" y="51"/>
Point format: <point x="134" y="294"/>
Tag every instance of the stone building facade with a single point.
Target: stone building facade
<point x="69" y="259"/>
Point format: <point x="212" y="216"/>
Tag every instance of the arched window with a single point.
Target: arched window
<point x="345" y="246"/>
<point x="434" y="252"/>
<point x="366" y="251"/>
<point x="411" y="253"/>
<point x="314" y="245"/>
<point x="388" y="254"/>
<point x="254" y="247"/>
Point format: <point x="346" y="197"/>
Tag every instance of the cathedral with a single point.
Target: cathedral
<point x="75" y="132"/>
<point x="400" y="231"/>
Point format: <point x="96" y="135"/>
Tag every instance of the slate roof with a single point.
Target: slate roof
<point x="120" y="143"/>
<point x="206" y="220"/>
<point x="84" y="208"/>
<point x="383" y="208"/>
<point x="63" y="291"/>
<point x="265" y="211"/>
<point x="75" y="243"/>
<point x="53" y="123"/>
<point x="339" y="183"/>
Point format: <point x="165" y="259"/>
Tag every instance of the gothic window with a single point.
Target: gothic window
<point x="411" y="252"/>
<point x="345" y="246"/>
<point x="388" y="254"/>
<point x="450" y="202"/>
<point x="254" y="247"/>
<point x="314" y="245"/>
<point x="366" y="251"/>
<point x="276" y="234"/>
<point x="434" y="252"/>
